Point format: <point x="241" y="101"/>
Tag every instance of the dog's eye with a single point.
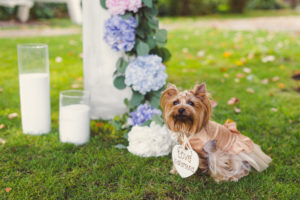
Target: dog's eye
<point x="175" y="103"/>
<point x="191" y="103"/>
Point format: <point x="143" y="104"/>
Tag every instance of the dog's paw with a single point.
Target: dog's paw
<point x="173" y="171"/>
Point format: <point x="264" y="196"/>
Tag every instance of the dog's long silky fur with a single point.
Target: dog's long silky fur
<point x="224" y="152"/>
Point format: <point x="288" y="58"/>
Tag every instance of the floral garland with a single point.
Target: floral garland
<point x="133" y="29"/>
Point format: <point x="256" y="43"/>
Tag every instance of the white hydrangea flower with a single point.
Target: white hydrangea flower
<point x="150" y="141"/>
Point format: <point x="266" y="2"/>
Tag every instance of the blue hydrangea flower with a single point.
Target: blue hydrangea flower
<point x="146" y="73"/>
<point x="120" y="33"/>
<point x="142" y="114"/>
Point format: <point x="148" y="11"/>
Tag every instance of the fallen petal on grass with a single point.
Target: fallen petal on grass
<point x="79" y="79"/>
<point x="201" y="54"/>
<point x="99" y="124"/>
<point x="185" y="50"/>
<point x="237" y="110"/>
<point x="2" y="126"/>
<point x="269" y="58"/>
<point x="274" y="109"/>
<point x="58" y="59"/>
<point x="233" y="101"/>
<point x="247" y="70"/>
<point x="281" y="85"/>
<point x="250" y="77"/>
<point x="2" y="141"/>
<point x="75" y="85"/>
<point x="214" y="104"/>
<point x="12" y="115"/>
<point x="275" y="78"/>
<point x="250" y="90"/>
<point x="227" y="54"/>
<point x="251" y="55"/>
<point x="223" y="69"/>
<point x="239" y="63"/>
<point x="239" y="75"/>
<point x="226" y="75"/>
<point x="265" y="81"/>
<point x="8" y="189"/>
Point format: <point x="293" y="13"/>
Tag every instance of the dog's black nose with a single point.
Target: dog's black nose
<point x="181" y="110"/>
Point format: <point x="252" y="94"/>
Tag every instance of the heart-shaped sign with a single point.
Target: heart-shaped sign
<point x="186" y="161"/>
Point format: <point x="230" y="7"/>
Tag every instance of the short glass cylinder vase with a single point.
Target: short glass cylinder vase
<point x="74" y="116"/>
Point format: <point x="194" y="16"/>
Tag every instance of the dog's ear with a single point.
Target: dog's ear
<point x="200" y="88"/>
<point x="200" y="91"/>
<point x="170" y="92"/>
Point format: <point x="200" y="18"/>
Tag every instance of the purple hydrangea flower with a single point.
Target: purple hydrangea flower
<point x="142" y="114"/>
<point x="120" y="33"/>
<point x="146" y="73"/>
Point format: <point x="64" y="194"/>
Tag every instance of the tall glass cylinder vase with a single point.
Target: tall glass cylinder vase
<point x="34" y="88"/>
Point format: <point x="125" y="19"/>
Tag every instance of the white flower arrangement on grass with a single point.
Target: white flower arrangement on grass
<point x="150" y="141"/>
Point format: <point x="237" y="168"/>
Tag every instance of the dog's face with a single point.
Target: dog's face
<point x="186" y="112"/>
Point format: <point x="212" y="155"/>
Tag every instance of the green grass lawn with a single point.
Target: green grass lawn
<point x="40" y="167"/>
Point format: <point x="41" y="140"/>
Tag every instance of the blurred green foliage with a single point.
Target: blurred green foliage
<point x="166" y="8"/>
<point x="46" y="10"/>
<point x="267" y="4"/>
<point x="204" y="7"/>
<point x="39" y="11"/>
<point x="6" y="13"/>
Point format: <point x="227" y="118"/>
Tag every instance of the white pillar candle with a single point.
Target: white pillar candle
<point x="74" y="124"/>
<point x="34" y="88"/>
<point x="35" y="103"/>
<point x="74" y="117"/>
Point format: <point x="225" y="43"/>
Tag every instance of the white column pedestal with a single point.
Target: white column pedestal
<point x="99" y="65"/>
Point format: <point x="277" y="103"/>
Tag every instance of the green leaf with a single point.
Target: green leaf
<point x="120" y="146"/>
<point x="136" y="99"/>
<point x="116" y="124"/>
<point x="148" y="3"/>
<point x="161" y="36"/>
<point x="126" y="102"/>
<point x="151" y="12"/>
<point x="153" y="23"/>
<point x="119" y="62"/>
<point x="119" y="82"/>
<point x="126" y="135"/>
<point x="151" y="42"/>
<point x="142" y="48"/>
<point x="126" y="16"/>
<point x="103" y="4"/>
<point x="137" y="19"/>
<point x="146" y="123"/>
<point x="140" y="33"/>
<point x="158" y="119"/>
<point x="162" y="52"/>
<point x="155" y="100"/>
<point x="123" y="66"/>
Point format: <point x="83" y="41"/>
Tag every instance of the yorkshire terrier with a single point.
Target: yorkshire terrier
<point x="223" y="151"/>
